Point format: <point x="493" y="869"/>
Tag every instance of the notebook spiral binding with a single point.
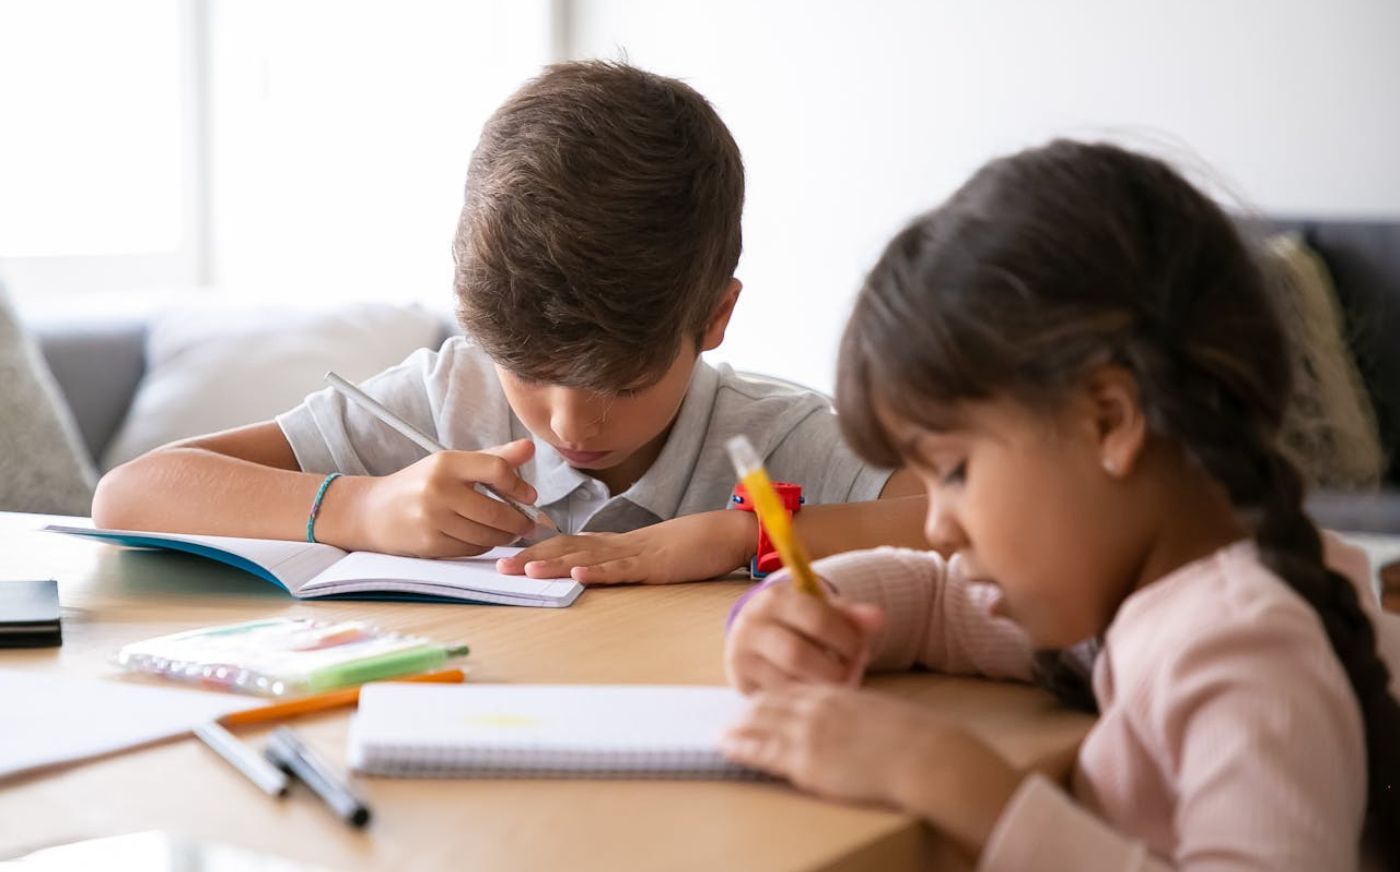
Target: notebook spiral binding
<point x="446" y="761"/>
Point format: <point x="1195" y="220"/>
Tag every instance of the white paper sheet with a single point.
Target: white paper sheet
<point x="47" y="718"/>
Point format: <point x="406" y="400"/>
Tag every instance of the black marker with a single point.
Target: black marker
<point x="288" y="752"/>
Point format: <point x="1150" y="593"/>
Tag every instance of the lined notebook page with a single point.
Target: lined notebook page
<point x="618" y="731"/>
<point x="364" y="571"/>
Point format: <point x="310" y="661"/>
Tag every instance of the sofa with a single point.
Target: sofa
<point x="99" y="364"/>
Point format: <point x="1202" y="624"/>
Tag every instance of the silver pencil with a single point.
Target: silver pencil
<point x="268" y="778"/>
<point x="428" y="444"/>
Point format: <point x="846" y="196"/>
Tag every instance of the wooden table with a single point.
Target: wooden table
<point x="668" y="634"/>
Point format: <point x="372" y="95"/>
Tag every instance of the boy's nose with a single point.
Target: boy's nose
<point x="575" y="418"/>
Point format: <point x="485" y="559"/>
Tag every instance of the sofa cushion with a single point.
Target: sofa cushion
<point x="43" y="464"/>
<point x="98" y="363"/>
<point x="214" y="367"/>
<point x="1363" y="258"/>
<point x="1331" y="425"/>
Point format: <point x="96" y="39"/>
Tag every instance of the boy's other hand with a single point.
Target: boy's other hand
<point x="688" y="548"/>
<point x="783" y="636"/>
<point x="430" y="509"/>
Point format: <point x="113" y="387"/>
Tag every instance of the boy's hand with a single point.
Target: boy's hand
<point x="430" y="509"/>
<point x="862" y="746"/>
<point x="782" y="636"/>
<point x="688" y="548"/>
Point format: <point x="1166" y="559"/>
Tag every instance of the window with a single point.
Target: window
<point x="303" y="148"/>
<point x="99" y="173"/>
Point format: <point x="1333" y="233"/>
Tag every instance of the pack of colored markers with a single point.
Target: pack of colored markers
<point x="284" y="657"/>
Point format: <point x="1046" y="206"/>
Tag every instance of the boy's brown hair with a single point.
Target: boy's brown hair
<point x="601" y="226"/>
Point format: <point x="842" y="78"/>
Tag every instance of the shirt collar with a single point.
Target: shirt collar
<point x="661" y="487"/>
<point x="554" y="479"/>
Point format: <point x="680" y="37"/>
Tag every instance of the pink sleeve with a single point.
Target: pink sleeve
<point x="1043" y="829"/>
<point x="934" y="617"/>
<point x="1259" y="730"/>
<point x="1257" y="733"/>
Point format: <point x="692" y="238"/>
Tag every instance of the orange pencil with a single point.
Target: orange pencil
<point x="331" y="699"/>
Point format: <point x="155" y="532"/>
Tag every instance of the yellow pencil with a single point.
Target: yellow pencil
<point x="772" y="516"/>
<point x="331" y="699"/>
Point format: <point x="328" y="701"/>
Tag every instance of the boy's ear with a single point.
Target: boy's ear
<point x="719" y="320"/>
<point x="1119" y="421"/>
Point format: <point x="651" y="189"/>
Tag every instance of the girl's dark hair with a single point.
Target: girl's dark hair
<point x="1061" y="258"/>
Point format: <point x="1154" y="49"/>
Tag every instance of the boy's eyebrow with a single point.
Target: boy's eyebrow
<point x="641" y="383"/>
<point x="636" y="386"/>
<point x="910" y="445"/>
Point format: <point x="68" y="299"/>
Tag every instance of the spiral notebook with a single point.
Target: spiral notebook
<point x="579" y="731"/>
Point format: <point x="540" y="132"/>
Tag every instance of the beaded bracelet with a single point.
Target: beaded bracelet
<point x="316" y="507"/>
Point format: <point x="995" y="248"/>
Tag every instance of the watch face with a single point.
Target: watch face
<point x="789" y="493"/>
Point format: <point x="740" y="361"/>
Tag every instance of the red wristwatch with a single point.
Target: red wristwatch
<point x="766" y="558"/>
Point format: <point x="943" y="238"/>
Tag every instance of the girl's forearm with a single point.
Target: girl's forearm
<point x="961" y="791"/>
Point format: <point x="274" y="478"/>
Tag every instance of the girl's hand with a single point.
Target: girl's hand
<point x="862" y="746"/>
<point x="688" y="548"/>
<point x="783" y="636"/>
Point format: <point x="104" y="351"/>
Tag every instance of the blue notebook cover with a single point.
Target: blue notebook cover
<point x="312" y="570"/>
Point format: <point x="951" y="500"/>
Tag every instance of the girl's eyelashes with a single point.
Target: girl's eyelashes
<point x="957" y="475"/>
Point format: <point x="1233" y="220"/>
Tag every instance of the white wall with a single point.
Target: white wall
<point x="854" y="117"/>
<point x="340" y="135"/>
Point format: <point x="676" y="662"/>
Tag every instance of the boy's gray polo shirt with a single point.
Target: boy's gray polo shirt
<point x="454" y="394"/>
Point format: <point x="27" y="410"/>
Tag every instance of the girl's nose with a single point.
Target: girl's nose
<point x="942" y="530"/>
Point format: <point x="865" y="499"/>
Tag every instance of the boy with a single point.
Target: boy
<point x="595" y="259"/>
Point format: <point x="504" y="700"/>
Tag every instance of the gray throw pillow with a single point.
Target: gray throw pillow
<point x="43" y="466"/>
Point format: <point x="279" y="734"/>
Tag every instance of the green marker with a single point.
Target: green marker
<point x="419" y="658"/>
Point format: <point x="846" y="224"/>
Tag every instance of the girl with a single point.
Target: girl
<point x="1079" y="328"/>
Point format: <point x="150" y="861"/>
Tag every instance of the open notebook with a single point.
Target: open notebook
<point x="308" y="570"/>
<point x="589" y="731"/>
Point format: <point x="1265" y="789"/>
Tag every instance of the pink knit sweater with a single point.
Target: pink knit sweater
<point x="1229" y="737"/>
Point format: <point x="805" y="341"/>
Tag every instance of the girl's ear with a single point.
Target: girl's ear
<point x="1120" y="424"/>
